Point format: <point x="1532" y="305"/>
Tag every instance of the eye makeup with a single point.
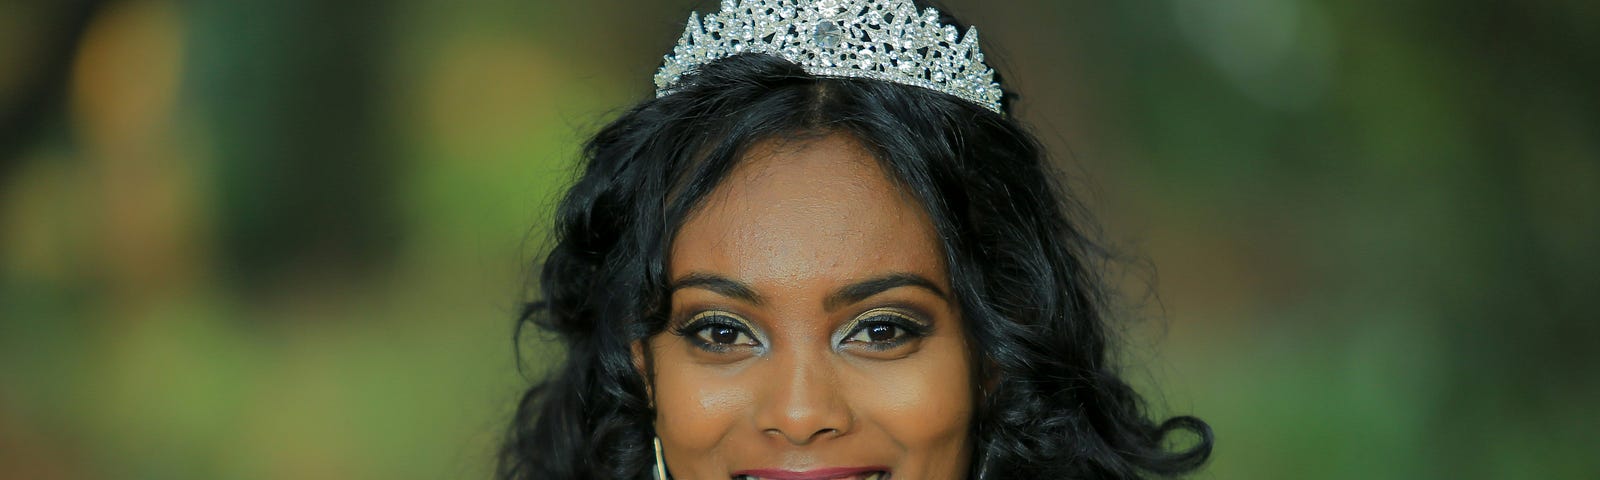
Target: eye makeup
<point x="883" y="329"/>
<point x="716" y="331"/>
<point x="878" y="329"/>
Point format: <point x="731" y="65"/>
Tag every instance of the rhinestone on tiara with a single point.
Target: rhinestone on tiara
<point x="884" y="40"/>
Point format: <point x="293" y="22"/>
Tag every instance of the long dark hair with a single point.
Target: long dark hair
<point x="1027" y="275"/>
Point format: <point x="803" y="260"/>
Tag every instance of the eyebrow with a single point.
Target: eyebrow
<point x="865" y="289"/>
<point x="846" y="295"/>
<point x="718" y="284"/>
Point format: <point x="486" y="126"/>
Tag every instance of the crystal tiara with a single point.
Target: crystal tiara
<point x="884" y="40"/>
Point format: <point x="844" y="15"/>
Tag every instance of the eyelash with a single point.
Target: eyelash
<point x="910" y="329"/>
<point x="690" y="330"/>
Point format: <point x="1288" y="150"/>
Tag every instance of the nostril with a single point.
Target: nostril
<point x="800" y="439"/>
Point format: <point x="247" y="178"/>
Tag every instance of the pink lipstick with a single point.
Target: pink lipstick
<point x="842" y="473"/>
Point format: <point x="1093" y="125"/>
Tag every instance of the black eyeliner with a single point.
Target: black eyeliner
<point x="915" y="328"/>
<point x="689" y="329"/>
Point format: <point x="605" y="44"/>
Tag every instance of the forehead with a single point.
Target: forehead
<point x="808" y="213"/>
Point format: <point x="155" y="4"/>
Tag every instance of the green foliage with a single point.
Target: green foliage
<point x="295" y="249"/>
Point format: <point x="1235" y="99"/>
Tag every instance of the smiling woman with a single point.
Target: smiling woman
<point x="812" y="328"/>
<point x="826" y="252"/>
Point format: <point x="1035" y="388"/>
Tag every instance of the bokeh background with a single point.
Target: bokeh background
<point x="285" y="239"/>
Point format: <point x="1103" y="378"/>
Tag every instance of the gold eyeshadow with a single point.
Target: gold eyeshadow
<point x="910" y="323"/>
<point x="691" y="327"/>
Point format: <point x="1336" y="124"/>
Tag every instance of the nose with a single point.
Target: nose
<point x="803" y="402"/>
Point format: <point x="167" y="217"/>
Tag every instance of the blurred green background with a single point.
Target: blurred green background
<point x="274" y="239"/>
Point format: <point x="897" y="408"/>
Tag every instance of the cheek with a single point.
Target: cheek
<point x="696" y="408"/>
<point x="925" y="402"/>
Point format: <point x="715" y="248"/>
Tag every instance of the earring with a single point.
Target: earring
<point x="661" y="465"/>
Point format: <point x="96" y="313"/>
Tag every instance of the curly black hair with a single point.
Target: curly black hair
<point x="1027" y="275"/>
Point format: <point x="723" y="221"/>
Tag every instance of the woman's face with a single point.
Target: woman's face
<point x="813" y="334"/>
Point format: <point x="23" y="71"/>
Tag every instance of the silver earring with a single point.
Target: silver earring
<point x="661" y="465"/>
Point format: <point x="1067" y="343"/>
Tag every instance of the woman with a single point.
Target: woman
<point x="825" y="251"/>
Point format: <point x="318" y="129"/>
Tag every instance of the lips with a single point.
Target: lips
<point x="869" y="473"/>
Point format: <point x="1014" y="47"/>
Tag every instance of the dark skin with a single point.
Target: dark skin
<point x="812" y="328"/>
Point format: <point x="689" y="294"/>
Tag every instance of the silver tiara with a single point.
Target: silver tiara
<point x="878" y="39"/>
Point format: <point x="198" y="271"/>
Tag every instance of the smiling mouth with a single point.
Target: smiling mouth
<point x="873" y="475"/>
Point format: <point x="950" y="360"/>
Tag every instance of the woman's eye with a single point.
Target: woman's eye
<point x="724" y="335"/>
<point x="877" y="332"/>
<point x="885" y="328"/>
<point x="717" y="332"/>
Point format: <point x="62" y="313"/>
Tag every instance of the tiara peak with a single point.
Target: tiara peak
<point x="886" y="40"/>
